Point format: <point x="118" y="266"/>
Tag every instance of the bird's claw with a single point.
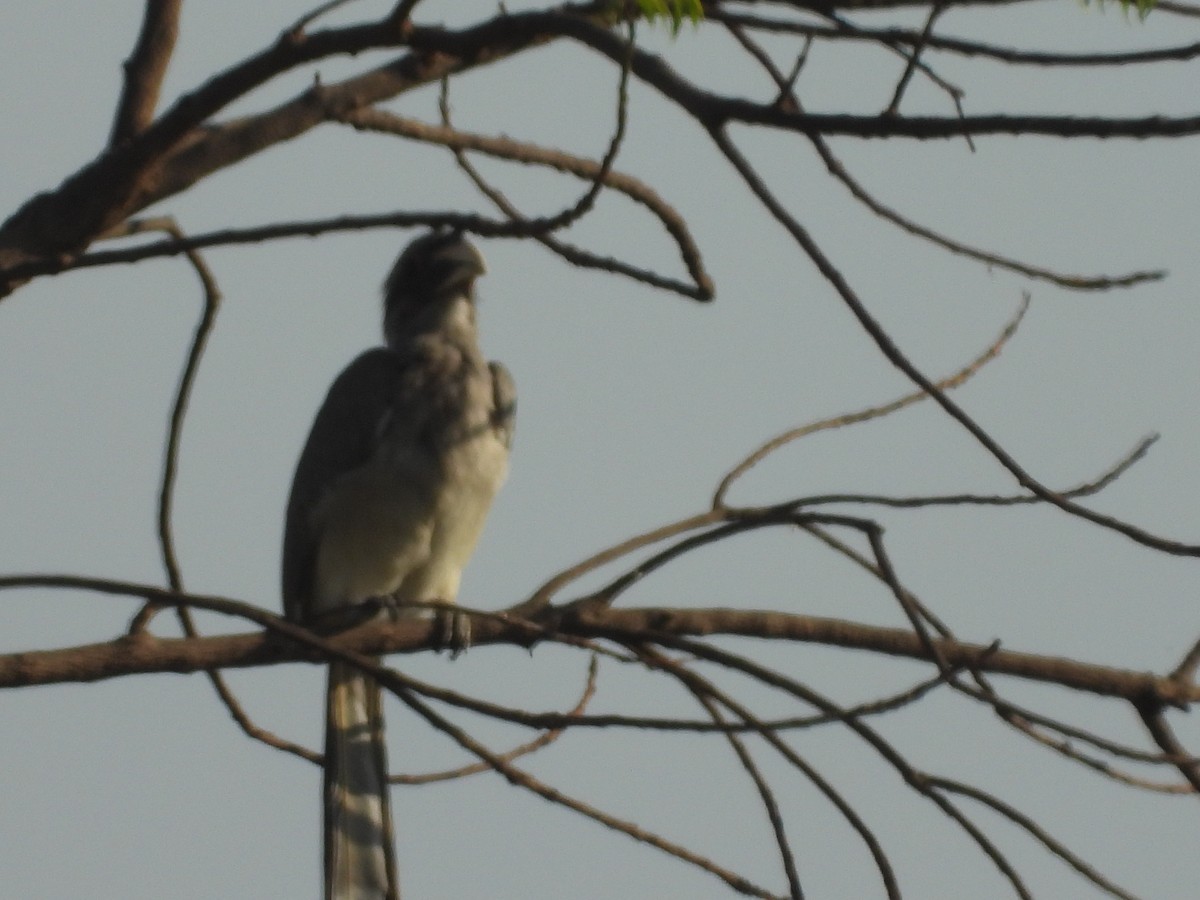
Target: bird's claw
<point x="453" y="631"/>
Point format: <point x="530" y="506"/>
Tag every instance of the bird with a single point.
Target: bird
<point x="387" y="503"/>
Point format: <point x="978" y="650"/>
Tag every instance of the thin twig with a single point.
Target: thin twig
<point x="1035" y="831"/>
<point x="916" y="613"/>
<point x="549" y="736"/>
<point x="897" y="358"/>
<point x="540" y="228"/>
<point x="784" y="83"/>
<point x="297" y="28"/>
<point x="475" y="224"/>
<point x="704" y="693"/>
<point x="1186" y="670"/>
<point x="953" y="381"/>
<point x="541" y="597"/>
<point x="522" y="779"/>
<point x="1085" y="489"/>
<point x="846" y="30"/>
<point x="788" y="88"/>
<point x="1068" y="281"/>
<point x="187" y="379"/>
<point x="822" y="534"/>
<point x="914" y="778"/>
<point x="695" y="682"/>
<point x="558" y="721"/>
<point x="585" y="203"/>
<point x="1179" y="9"/>
<point x="913" y="62"/>
<point x="914" y="57"/>
<point x="1152" y="716"/>
<point x="1065" y="748"/>
<point x="382" y="121"/>
<point x="788" y="100"/>
<point x="166" y="540"/>
<point x="611" y="591"/>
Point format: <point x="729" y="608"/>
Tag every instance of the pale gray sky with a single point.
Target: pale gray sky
<point x="632" y="404"/>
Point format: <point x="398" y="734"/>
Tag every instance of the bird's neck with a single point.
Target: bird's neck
<point x="451" y="318"/>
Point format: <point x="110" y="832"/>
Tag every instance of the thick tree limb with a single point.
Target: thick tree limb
<point x="172" y="153"/>
<point x="126" y="655"/>
<point x="218" y="146"/>
<point x="106" y="191"/>
<point x="145" y="69"/>
<point x="714" y="111"/>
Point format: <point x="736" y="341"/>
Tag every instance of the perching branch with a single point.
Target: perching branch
<point x="127" y="656"/>
<point x="152" y="156"/>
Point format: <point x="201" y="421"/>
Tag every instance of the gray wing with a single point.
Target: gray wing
<point x="504" y="402"/>
<point x="344" y="435"/>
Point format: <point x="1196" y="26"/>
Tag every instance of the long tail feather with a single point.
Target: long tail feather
<point x="360" y="861"/>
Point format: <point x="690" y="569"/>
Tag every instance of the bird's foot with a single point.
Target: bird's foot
<point x="453" y="630"/>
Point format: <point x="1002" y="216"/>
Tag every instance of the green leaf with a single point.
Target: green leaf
<point x="1143" y="7"/>
<point x="693" y="10"/>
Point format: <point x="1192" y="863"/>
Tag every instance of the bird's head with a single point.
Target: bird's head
<point x="434" y="274"/>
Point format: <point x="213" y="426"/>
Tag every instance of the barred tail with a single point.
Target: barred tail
<point x="360" y="861"/>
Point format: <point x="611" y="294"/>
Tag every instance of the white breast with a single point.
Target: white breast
<point x="405" y="525"/>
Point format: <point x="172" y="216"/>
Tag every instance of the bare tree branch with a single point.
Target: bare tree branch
<point x="545" y="739"/>
<point x="901" y="37"/>
<point x="212" y="302"/>
<point x="914" y="57"/>
<point x="297" y="28"/>
<point x="1152" y="712"/>
<point x="949" y="383"/>
<point x="151" y="156"/>
<point x="545" y="225"/>
<point x="709" y="696"/>
<point x="61" y="222"/>
<point x="1186" y="670"/>
<point x="521" y="151"/>
<point x="1086" y="489"/>
<point x="914" y="778"/>
<point x="901" y="362"/>
<point x="126" y="656"/>
<point x="714" y="112"/>
<point x="105" y="192"/>
<point x="145" y="69"/>
<point x="522" y="779"/>
<point x="1036" y="832"/>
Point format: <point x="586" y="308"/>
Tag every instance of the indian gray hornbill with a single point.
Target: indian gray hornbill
<point x="387" y="503"/>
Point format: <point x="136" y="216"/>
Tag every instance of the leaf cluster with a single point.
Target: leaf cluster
<point x="677" y="10"/>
